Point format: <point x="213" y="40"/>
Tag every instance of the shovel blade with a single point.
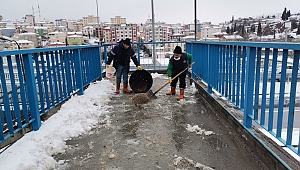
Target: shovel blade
<point x="151" y="95"/>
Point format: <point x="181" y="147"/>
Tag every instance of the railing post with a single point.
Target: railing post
<point x="249" y="86"/>
<point x="32" y="91"/>
<point x="78" y="71"/>
<point x="209" y="89"/>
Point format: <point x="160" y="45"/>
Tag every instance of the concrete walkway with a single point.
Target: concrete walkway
<point x="162" y="134"/>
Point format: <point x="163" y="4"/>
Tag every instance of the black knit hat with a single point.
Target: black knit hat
<point x="126" y="41"/>
<point x="177" y="50"/>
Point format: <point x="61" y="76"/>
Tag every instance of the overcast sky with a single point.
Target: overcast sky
<point x="138" y="11"/>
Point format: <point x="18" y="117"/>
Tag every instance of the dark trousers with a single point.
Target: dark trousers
<point x="182" y="83"/>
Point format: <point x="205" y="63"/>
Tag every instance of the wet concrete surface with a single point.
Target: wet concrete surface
<point x="156" y="136"/>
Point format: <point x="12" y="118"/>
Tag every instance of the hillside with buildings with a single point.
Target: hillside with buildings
<point x="29" y="33"/>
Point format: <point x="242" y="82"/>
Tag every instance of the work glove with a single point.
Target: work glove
<point x="139" y="68"/>
<point x="170" y="80"/>
<point x="107" y="66"/>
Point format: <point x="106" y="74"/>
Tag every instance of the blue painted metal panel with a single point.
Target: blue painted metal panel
<point x="265" y="82"/>
<point x="32" y="95"/>
<point x="238" y="85"/>
<point x="281" y="97"/>
<point x="292" y="99"/>
<point x="15" y="101"/>
<point x="234" y="73"/>
<point x="272" y="88"/>
<point x="249" y="86"/>
<point x="257" y="80"/>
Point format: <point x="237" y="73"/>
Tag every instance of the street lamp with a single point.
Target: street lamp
<point x="98" y="21"/>
<point x="22" y="65"/>
<point x="11" y="40"/>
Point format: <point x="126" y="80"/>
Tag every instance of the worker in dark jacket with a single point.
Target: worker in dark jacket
<point x="177" y="63"/>
<point x="120" y="55"/>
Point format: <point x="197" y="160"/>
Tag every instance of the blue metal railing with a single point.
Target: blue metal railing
<point x="35" y="81"/>
<point x="246" y="74"/>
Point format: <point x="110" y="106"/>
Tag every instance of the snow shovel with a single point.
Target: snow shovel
<point x="150" y="93"/>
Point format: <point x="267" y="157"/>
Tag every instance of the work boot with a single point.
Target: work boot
<point x="117" y="88"/>
<point x="125" y="90"/>
<point x="172" y="92"/>
<point x="181" y="96"/>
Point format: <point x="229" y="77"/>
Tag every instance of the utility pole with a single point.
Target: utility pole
<point x="153" y="36"/>
<point x="195" y="5"/>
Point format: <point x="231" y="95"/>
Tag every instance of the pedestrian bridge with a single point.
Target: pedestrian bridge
<point x="237" y="79"/>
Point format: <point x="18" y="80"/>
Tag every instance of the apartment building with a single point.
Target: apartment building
<point x="90" y="19"/>
<point x="55" y="37"/>
<point x="23" y="44"/>
<point x="119" y="32"/>
<point x="33" y="37"/>
<point x="88" y="31"/>
<point x="30" y="19"/>
<point x="162" y="33"/>
<point x="208" y="32"/>
<point x="117" y="20"/>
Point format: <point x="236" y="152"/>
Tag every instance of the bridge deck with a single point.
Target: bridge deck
<point x="159" y="135"/>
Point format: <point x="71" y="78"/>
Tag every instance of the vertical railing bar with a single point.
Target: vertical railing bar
<point x="45" y="80"/>
<point x="238" y="86"/>
<point x="272" y="87"/>
<point x="230" y="72"/>
<point x="281" y="97"/>
<point x="15" y="98"/>
<point x="243" y="77"/>
<point x="257" y="84"/>
<point x="251" y="52"/>
<point x="291" y="113"/>
<point x="62" y="56"/>
<point x="39" y="83"/>
<point x="265" y="83"/>
<point x="58" y="70"/>
<point x="23" y="91"/>
<point x="49" y="71"/>
<point x="234" y="75"/>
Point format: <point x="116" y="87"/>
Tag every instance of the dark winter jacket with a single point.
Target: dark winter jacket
<point x="116" y="54"/>
<point x="176" y="66"/>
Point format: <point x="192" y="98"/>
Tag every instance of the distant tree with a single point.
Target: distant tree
<point x="259" y="30"/>
<point x="288" y="14"/>
<point x="228" y="31"/>
<point x="298" y="31"/>
<point x="285" y="14"/>
<point x="234" y="28"/>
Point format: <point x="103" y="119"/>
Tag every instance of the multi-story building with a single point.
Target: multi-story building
<point x="208" y="32"/>
<point x="29" y="37"/>
<point x="23" y="44"/>
<point x="75" y="40"/>
<point x="90" y="19"/>
<point x="88" y="31"/>
<point x="117" y="20"/>
<point x="41" y="31"/>
<point x="162" y="33"/>
<point x="30" y="19"/>
<point x="119" y="32"/>
<point x="55" y="37"/>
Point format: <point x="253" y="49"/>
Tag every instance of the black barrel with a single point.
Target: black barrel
<point x="140" y="81"/>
